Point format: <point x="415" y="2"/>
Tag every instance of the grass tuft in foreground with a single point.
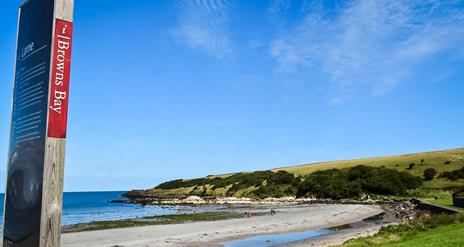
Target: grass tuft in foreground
<point x="438" y="230"/>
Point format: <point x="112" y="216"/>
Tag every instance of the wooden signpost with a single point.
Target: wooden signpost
<point x="34" y="190"/>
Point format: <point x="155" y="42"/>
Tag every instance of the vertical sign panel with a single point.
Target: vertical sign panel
<point x="28" y="124"/>
<point x="33" y="201"/>
<point x="58" y="110"/>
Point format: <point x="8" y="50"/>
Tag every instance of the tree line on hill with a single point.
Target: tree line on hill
<point x="356" y="181"/>
<point x="331" y="184"/>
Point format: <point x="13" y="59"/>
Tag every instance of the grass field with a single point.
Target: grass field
<point x="421" y="161"/>
<point x="446" y="200"/>
<point x="436" y="230"/>
<point x="446" y="160"/>
<point x="443" y="201"/>
<point x="434" y="159"/>
<point x="449" y="236"/>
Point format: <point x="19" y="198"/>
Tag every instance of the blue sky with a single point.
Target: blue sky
<point x="179" y="89"/>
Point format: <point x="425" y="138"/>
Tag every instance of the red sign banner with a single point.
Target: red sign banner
<point x="59" y="84"/>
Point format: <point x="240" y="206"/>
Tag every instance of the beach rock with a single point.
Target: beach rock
<point x="233" y="200"/>
<point x="193" y="200"/>
<point x="273" y="200"/>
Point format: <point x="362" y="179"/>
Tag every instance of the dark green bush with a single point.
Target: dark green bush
<point x="280" y="183"/>
<point x="453" y="175"/>
<point x="411" y="165"/>
<point x="390" y="182"/>
<point x="274" y="191"/>
<point x="179" y="183"/>
<point x="353" y="182"/>
<point x="429" y="173"/>
<point x="331" y="183"/>
<point x="281" y="177"/>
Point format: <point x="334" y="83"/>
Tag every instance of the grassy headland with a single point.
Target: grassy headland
<point x="398" y="176"/>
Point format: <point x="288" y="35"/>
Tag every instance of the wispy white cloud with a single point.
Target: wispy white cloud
<point x="370" y="44"/>
<point x="279" y="7"/>
<point x="203" y="25"/>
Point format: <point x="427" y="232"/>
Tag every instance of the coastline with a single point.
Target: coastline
<point x="289" y="218"/>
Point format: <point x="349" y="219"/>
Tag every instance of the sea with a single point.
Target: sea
<point x="81" y="207"/>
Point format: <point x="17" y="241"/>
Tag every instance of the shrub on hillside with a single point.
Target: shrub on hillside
<point x="429" y="173"/>
<point x="390" y="182"/>
<point x="179" y="183"/>
<point x="333" y="183"/>
<point x="453" y="175"/>
<point x="267" y="182"/>
<point x="281" y="177"/>
<point x="275" y="190"/>
<point x="353" y="182"/>
<point x="411" y="165"/>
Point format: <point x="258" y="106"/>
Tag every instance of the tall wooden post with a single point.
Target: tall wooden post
<point x="34" y="190"/>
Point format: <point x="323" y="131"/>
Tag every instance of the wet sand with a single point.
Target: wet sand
<point x="215" y="233"/>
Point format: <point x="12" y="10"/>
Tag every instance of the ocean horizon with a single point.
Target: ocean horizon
<point x="88" y="206"/>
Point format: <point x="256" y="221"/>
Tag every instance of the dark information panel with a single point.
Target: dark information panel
<point x="28" y="125"/>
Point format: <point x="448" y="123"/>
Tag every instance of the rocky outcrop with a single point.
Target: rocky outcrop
<point x="404" y="211"/>
<point x="401" y="210"/>
<point x="144" y="198"/>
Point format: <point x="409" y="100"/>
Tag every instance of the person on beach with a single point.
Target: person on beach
<point x="249" y="214"/>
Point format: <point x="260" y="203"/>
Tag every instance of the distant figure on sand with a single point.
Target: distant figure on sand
<point x="273" y="211"/>
<point x="248" y="214"/>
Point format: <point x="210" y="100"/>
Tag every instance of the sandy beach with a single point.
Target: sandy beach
<point x="216" y="233"/>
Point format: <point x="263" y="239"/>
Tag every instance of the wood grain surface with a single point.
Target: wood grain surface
<point x="52" y="191"/>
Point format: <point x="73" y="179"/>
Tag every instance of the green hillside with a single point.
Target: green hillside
<point x="291" y="181"/>
<point x="435" y="159"/>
